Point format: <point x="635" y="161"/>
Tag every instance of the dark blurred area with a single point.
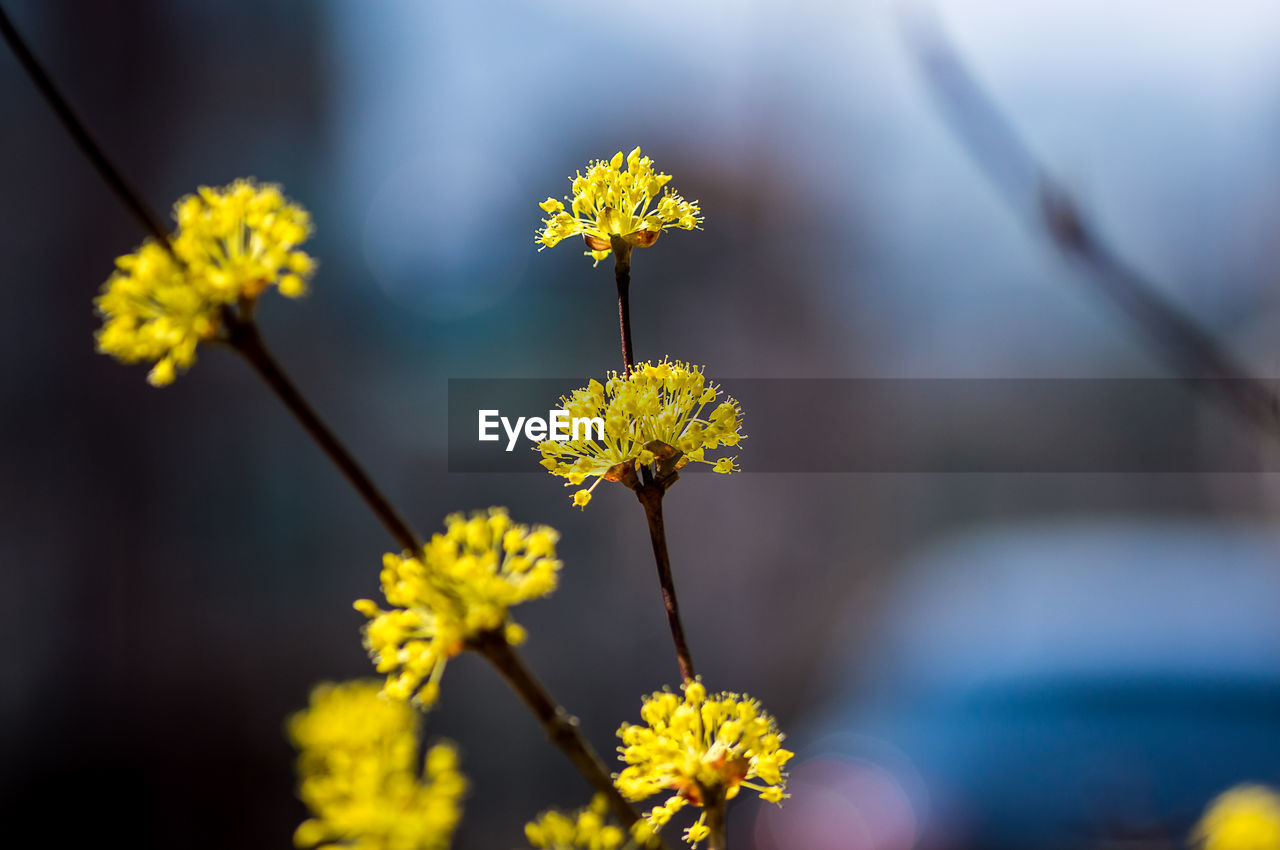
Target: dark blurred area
<point x="178" y="565"/>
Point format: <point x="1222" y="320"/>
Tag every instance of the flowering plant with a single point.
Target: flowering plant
<point x="358" y="742"/>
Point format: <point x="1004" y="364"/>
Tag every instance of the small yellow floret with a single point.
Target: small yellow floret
<point x="460" y="586"/>
<point x="668" y="402"/>
<point x="631" y="203"/>
<point x="357" y="774"/>
<point x="230" y="244"/>
<point x="699" y="745"/>
<point x="698" y="831"/>
<point x="1246" y="817"/>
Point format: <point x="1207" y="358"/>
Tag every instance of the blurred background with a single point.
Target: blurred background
<point x="961" y="660"/>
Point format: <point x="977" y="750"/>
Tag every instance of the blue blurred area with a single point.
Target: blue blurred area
<point x="1068" y="685"/>
<point x="177" y="566"/>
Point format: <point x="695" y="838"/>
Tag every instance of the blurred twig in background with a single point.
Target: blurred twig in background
<point x="1190" y="350"/>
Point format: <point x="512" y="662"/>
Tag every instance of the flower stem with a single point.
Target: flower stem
<point x="622" y="274"/>
<point x="715" y="804"/>
<point x="80" y="134"/>
<point x="650" y="495"/>
<point x="243" y="336"/>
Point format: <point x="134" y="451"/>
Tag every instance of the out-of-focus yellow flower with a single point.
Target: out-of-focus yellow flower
<point x="610" y="200"/>
<point x="655" y="412"/>
<point x="587" y="828"/>
<point x="231" y="243"/>
<point x="460" y="586"/>
<point x="357" y="774"/>
<point x="700" y="746"/>
<point x="1246" y="817"/>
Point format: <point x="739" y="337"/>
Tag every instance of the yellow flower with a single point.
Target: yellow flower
<point x="357" y="775"/>
<point x="586" y="828"/>
<point x="231" y="244"/>
<point x="654" y="413"/>
<point x="1246" y="817"/>
<point x="698" y="831"/>
<point x="700" y="746"/>
<point x="609" y="201"/>
<point x="460" y="586"/>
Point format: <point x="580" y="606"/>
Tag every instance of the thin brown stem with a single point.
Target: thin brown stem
<point x="561" y="728"/>
<point x="81" y="135"/>
<point x="650" y="495"/>
<point x="243" y="336"/>
<point x="715" y="805"/>
<point x="622" y="274"/>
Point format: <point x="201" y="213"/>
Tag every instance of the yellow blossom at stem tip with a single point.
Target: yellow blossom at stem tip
<point x="460" y="585"/>
<point x="619" y="197"/>
<point x="699" y="746"/>
<point x="666" y="408"/>
<point x="230" y="245"/>
<point x="357" y="757"/>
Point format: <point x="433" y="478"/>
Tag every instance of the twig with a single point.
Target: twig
<point x="562" y="729"/>
<point x="243" y="336"/>
<point x="713" y="800"/>
<point x="80" y="134"/>
<point x="650" y="491"/>
<point x="1031" y="191"/>
<point x="650" y="495"/>
<point x="622" y="274"/>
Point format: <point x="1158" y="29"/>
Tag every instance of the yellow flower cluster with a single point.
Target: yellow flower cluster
<point x="654" y="411"/>
<point x="697" y="746"/>
<point x="612" y="201"/>
<point x="586" y="828"/>
<point x="356" y="763"/>
<point x="230" y="245"/>
<point x="1246" y="817"/>
<point x="460" y="586"/>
